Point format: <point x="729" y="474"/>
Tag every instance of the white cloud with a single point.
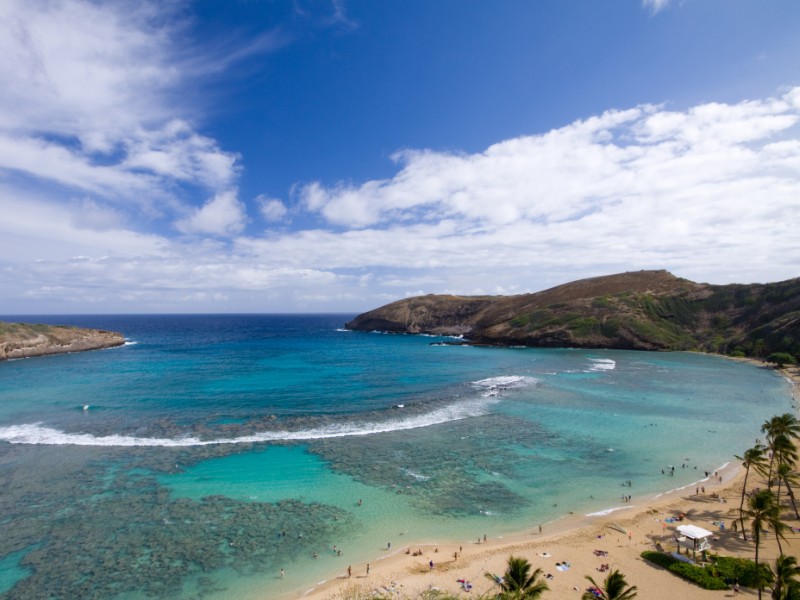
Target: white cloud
<point x="223" y="215"/>
<point x="706" y="191"/>
<point x="709" y="192"/>
<point x="641" y="157"/>
<point x="655" y="6"/>
<point x="87" y="94"/>
<point x="33" y="229"/>
<point x="94" y="71"/>
<point x="177" y="152"/>
<point x="272" y="209"/>
<point x="88" y="213"/>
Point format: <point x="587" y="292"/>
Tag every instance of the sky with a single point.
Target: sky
<point x="262" y="156"/>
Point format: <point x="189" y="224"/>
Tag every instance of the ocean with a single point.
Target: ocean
<point x="212" y="451"/>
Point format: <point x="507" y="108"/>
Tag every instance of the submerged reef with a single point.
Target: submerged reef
<point x="95" y="529"/>
<point x="456" y="470"/>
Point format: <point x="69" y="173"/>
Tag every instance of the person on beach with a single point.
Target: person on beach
<point x="282" y="573"/>
<point x="430" y="564"/>
<point x="367" y="568"/>
<point x="349" y="571"/>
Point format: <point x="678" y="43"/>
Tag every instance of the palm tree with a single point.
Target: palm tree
<point x="785" y="425"/>
<point x="763" y="510"/>
<point x="789" y="477"/>
<point x="785" y="586"/>
<point x="784" y="449"/>
<point x="754" y="457"/>
<point x="518" y="583"/>
<point x="613" y="588"/>
<point x="784" y="453"/>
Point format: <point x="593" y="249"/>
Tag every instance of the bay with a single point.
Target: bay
<point x="211" y="451"/>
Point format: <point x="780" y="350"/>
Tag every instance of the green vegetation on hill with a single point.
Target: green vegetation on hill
<point x="645" y="310"/>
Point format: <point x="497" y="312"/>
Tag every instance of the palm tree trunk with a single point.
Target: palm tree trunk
<point x="769" y="475"/>
<point x="758" y="570"/>
<point x="741" y="504"/>
<point x="778" y="502"/>
<point x="791" y="497"/>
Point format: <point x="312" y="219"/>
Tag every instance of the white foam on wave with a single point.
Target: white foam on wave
<point x="722" y="467"/>
<point x="130" y="343"/>
<point x="505" y="382"/>
<point x="415" y="475"/>
<point x="608" y="511"/>
<point x="36" y="433"/>
<point x="602" y="364"/>
<point x="343" y="330"/>
<point x="492" y="386"/>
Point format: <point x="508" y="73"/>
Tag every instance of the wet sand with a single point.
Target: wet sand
<point x="573" y="539"/>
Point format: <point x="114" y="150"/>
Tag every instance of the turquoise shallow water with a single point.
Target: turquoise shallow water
<point x="216" y="450"/>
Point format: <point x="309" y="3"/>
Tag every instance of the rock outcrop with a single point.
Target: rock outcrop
<point x="21" y="340"/>
<point x="644" y="310"/>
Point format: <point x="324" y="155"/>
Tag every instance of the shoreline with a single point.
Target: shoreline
<point x="790" y="373"/>
<point x="573" y="537"/>
<point x="564" y="538"/>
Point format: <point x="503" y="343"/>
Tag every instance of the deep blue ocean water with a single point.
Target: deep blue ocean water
<point x="211" y="451"/>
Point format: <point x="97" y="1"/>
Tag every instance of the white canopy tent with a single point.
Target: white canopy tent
<point x="694" y="537"/>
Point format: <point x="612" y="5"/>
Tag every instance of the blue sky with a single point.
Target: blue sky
<point x="332" y="156"/>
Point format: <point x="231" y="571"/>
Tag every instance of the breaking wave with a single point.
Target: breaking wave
<point x="505" y="382"/>
<point x="608" y="511"/>
<point x="602" y="364"/>
<point x="38" y="433"/>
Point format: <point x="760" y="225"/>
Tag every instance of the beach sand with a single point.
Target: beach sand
<point x="574" y="539"/>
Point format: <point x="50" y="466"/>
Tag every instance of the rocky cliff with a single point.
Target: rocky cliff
<point x="21" y="340"/>
<point x="644" y="310"/>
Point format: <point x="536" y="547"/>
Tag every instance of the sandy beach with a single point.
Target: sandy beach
<point x="574" y="539"/>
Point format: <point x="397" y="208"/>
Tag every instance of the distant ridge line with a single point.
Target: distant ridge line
<point x="637" y="310"/>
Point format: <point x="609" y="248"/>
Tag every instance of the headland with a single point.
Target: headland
<point x="22" y="340"/>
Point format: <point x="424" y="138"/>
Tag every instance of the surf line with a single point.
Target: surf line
<point x="39" y="434"/>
